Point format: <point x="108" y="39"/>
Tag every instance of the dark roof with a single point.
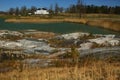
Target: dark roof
<point x="41" y="9"/>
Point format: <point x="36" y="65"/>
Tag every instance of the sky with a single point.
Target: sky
<point x="6" y="4"/>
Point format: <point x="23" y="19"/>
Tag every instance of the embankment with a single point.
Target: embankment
<point x="112" y="25"/>
<point x="107" y="24"/>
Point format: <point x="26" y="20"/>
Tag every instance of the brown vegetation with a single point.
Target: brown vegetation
<point x="88" y="68"/>
<point x="33" y="20"/>
<point x="43" y="35"/>
<point x="108" y="24"/>
<point x="95" y="71"/>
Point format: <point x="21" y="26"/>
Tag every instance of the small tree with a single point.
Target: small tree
<point x="75" y="55"/>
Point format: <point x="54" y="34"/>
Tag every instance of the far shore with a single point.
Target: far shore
<point x="34" y="20"/>
<point x="103" y="23"/>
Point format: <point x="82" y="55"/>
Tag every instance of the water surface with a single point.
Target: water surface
<point x="61" y="27"/>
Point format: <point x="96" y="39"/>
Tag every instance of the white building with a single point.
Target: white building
<point x="41" y="11"/>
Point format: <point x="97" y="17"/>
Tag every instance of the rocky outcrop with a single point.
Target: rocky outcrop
<point x="38" y="34"/>
<point x="75" y="35"/>
<point x="56" y="43"/>
<point x="10" y="35"/>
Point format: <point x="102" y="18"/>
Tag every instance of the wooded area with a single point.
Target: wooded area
<point x="79" y="8"/>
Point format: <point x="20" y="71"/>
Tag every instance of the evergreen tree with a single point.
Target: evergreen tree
<point x="61" y="9"/>
<point x="33" y="9"/>
<point x="117" y="10"/>
<point x="51" y="11"/>
<point x="11" y="11"/>
<point x="17" y="11"/>
<point x="72" y="9"/>
<point x="56" y="9"/>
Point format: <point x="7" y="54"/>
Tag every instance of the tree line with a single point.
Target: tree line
<point x="95" y="9"/>
<point x="25" y="11"/>
<point x="21" y="11"/>
<point x="79" y="8"/>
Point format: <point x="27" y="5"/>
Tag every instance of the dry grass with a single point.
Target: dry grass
<point x="99" y="70"/>
<point x="83" y="21"/>
<point x="34" y="20"/>
<point x="108" y="24"/>
<point x="43" y="35"/>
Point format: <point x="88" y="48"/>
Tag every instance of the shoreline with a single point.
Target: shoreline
<point x="107" y="24"/>
<point x="33" y="20"/>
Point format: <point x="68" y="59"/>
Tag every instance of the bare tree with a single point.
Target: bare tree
<point x="80" y="8"/>
<point x="24" y="10"/>
<point x="17" y="11"/>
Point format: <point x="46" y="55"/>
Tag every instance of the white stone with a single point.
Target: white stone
<point x="12" y="45"/>
<point x="110" y="36"/>
<point x="31" y="43"/>
<point x="2" y="43"/>
<point x="114" y="42"/>
<point x="74" y="35"/>
<point x="105" y="41"/>
<point x="87" y="45"/>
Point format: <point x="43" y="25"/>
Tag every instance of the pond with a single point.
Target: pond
<point x="61" y="27"/>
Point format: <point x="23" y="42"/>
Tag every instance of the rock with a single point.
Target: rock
<point x="2" y="43"/>
<point x="87" y="45"/>
<point x="109" y="36"/>
<point x="36" y="46"/>
<point x="105" y="41"/>
<point x="10" y="35"/>
<point x="114" y="42"/>
<point x="27" y="43"/>
<point x="42" y="45"/>
<point x="13" y="45"/>
<point x="100" y="41"/>
<point x="15" y="33"/>
<point x="44" y="50"/>
<point x="74" y="35"/>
